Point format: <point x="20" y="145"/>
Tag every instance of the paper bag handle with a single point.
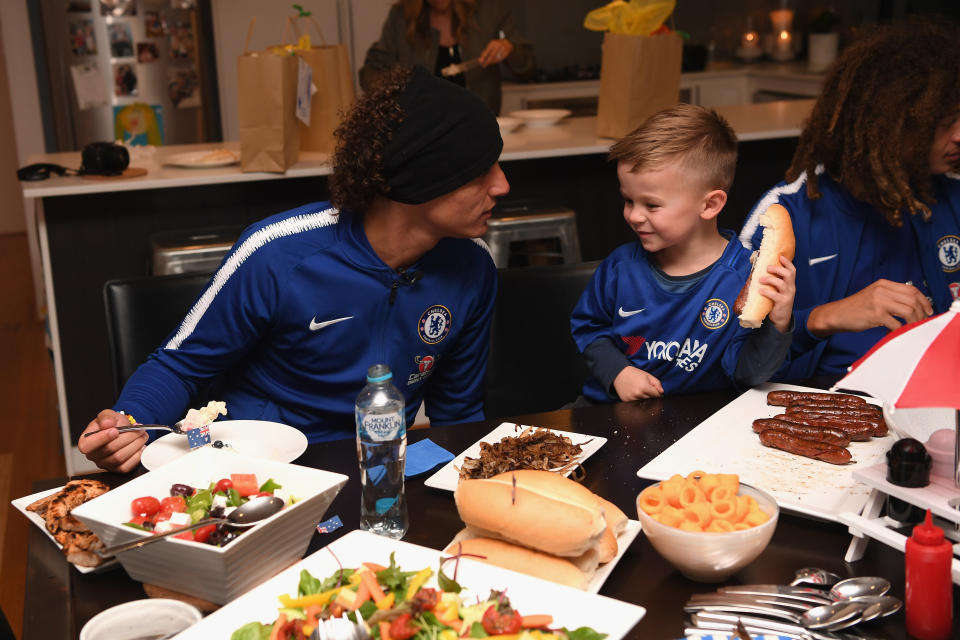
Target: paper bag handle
<point x="246" y="43"/>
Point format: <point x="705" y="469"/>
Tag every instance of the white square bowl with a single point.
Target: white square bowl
<point x="218" y="574"/>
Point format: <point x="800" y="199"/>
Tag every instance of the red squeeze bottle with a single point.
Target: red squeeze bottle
<point x="929" y="601"/>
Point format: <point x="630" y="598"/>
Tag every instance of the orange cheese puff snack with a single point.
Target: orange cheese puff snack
<point x="723" y="509"/>
<point x="669" y="515"/>
<point x="740" y="526"/>
<point x="698" y="512"/>
<point x="729" y="480"/>
<point x="756" y="517"/>
<point x="671" y="489"/>
<point x="697" y="475"/>
<point x="708" y="483"/>
<point x="723" y="493"/>
<point x="743" y="508"/>
<point x="689" y="525"/>
<point x="719" y="526"/>
<point x="689" y="494"/>
<point x="651" y="500"/>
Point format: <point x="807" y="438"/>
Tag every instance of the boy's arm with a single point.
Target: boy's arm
<point x="605" y="362"/>
<point x="761" y="354"/>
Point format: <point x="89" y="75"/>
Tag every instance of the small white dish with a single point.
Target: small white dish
<point x="148" y="618"/>
<point x="448" y="477"/>
<point x="508" y="124"/>
<point x="203" y="159"/>
<point x="536" y="118"/>
<point x="257" y="438"/>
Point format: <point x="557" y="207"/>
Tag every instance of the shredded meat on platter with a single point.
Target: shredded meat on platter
<point x="531" y="449"/>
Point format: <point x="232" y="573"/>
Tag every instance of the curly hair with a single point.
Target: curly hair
<point x="362" y="137"/>
<point x="873" y="124"/>
<point x="418" y="20"/>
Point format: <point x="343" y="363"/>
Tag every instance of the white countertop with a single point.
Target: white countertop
<point x="571" y="137"/>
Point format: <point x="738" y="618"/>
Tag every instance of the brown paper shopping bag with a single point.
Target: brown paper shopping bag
<point x="334" y="96"/>
<point x="639" y="75"/>
<point x="266" y="111"/>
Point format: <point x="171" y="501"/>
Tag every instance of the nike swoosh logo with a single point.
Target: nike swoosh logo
<point x="814" y="261"/>
<point x="314" y="325"/>
<point x="627" y="314"/>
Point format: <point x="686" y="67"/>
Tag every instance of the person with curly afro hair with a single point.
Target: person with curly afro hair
<point x="389" y="272"/>
<point x="874" y="196"/>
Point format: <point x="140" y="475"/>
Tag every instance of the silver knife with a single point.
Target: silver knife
<point x="738" y="598"/>
<point x="813" y="596"/>
<point x="754" y="609"/>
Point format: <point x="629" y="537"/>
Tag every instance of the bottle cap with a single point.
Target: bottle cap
<point x="928" y="533"/>
<point x="908" y="463"/>
<point x="379" y="373"/>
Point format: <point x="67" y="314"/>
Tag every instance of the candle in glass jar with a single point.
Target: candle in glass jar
<point x="784" y="41"/>
<point x="751" y="40"/>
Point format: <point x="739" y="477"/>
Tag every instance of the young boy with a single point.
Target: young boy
<point x="658" y="315"/>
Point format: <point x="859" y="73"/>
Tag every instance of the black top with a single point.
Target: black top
<point x="447" y="56"/>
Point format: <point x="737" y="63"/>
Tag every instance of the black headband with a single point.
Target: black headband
<point x="448" y="138"/>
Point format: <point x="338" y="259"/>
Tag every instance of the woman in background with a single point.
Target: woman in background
<point x="439" y="33"/>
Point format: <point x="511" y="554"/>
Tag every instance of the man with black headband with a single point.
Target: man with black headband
<point x="388" y="271"/>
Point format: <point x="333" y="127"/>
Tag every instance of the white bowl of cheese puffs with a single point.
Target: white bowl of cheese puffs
<point x="707" y="525"/>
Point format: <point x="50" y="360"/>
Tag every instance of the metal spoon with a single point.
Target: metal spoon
<point x="816" y="576"/>
<point x="878" y="606"/>
<point x="176" y="428"/>
<point x="246" y="515"/>
<point x="859" y="586"/>
<point x="833" y="616"/>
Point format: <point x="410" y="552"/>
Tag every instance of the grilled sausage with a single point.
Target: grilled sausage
<point x="820" y="434"/>
<point x="865" y="411"/>
<point x="786" y="398"/>
<point x="807" y="448"/>
<point x="875" y="420"/>
<point x="858" y="431"/>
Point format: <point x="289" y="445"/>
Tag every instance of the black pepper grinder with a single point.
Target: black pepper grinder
<point x="908" y="465"/>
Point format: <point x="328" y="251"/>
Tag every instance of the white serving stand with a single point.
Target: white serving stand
<point x="940" y="496"/>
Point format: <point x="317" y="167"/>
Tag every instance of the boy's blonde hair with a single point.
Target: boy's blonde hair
<point x="700" y="138"/>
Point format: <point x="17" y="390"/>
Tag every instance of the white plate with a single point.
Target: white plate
<point x="725" y="443"/>
<point x="201" y="159"/>
<point x="20" y="504"/>
<point x="624" y="540"/>
<point x="508" y="124"/>
<point x="448" y="477"/>
<point x="541" y="117"/>
<point x="569" y="607"/>
<point x="257" y="438"/>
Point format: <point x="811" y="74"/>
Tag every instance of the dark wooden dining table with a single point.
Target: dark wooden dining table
<point x="59" y="600"/>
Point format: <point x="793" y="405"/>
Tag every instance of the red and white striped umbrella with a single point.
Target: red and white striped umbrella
<point x="918" y="365"/>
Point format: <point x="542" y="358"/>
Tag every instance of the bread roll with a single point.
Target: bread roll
<point x="516" y="558"/>
<point x="616" y="522"/>
<point x="543" y="511"/>
<point x="778" y="240"/>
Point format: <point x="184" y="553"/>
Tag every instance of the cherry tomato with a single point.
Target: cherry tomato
<point x="223" y="485"/>
<point x="173" y="504"/>
<point x="143" y="521"/>
<point x="186" y="535"/>
<point x="145" y="506"/>
<point x="268" y="494"/>
<point x="402" y="628"/>
<point x="426" y="599"/>
<point x="201" y="534"/>
<point x="496" y="623"/>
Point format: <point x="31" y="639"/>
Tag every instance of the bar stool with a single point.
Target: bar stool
<point x="532" y="221"/>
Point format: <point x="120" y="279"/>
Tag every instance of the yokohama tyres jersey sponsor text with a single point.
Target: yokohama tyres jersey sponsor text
<point x="690" y="341"/>
<point x="299" y="309"/>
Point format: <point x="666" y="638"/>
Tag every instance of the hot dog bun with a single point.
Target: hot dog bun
<point x="778" y="240"/>
<point x="516" y="558"/>
<point x="537" y="509"/>
<point x="616" y="522"/>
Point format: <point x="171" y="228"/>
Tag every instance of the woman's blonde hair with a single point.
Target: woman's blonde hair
<point x="417" y="15"/>
<point x="700" y="138"/>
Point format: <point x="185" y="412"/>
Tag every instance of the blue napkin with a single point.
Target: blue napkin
<point x="425" y="455"/>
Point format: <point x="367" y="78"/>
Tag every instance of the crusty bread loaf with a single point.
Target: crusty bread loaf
<point x="616" y="522"/>
<point x="517" y="558"/>
<point x="538" y="509"/>
<point x="778" y="240"/>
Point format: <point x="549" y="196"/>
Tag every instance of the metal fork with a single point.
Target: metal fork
<point x="341" y="629"/>
<point x="176" y="428"/>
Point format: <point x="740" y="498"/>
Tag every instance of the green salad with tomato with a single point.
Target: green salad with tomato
<point x="396" y="605"/>
<point x="186" y="505"/>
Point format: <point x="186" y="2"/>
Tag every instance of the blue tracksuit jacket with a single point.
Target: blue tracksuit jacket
<point x="690" y="341"/>
<point x="301" y="307"/>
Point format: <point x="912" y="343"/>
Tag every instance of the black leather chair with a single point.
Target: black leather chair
<point x="534" y="364"/>
<point x="142" y="312"/>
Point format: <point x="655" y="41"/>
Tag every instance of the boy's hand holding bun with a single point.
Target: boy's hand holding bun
<point x="771" y="286"/>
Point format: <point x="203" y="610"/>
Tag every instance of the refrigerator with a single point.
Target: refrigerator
<point x="140" y="71"/>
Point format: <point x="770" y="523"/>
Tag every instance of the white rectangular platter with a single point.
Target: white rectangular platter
<point x="569" y="607"/>
<point x="448" y="477"/>
<point x="725" y="443"/>
<point x="20" y="504"/>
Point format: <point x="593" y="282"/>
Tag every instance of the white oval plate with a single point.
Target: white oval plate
<point x="202" y="159"/>
<point x="257" y="438"/>
<point x="508" y="124"/>
<point x="541" y="117"/>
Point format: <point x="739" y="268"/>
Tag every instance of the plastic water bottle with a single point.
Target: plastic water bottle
<point x="382" y="449"/>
